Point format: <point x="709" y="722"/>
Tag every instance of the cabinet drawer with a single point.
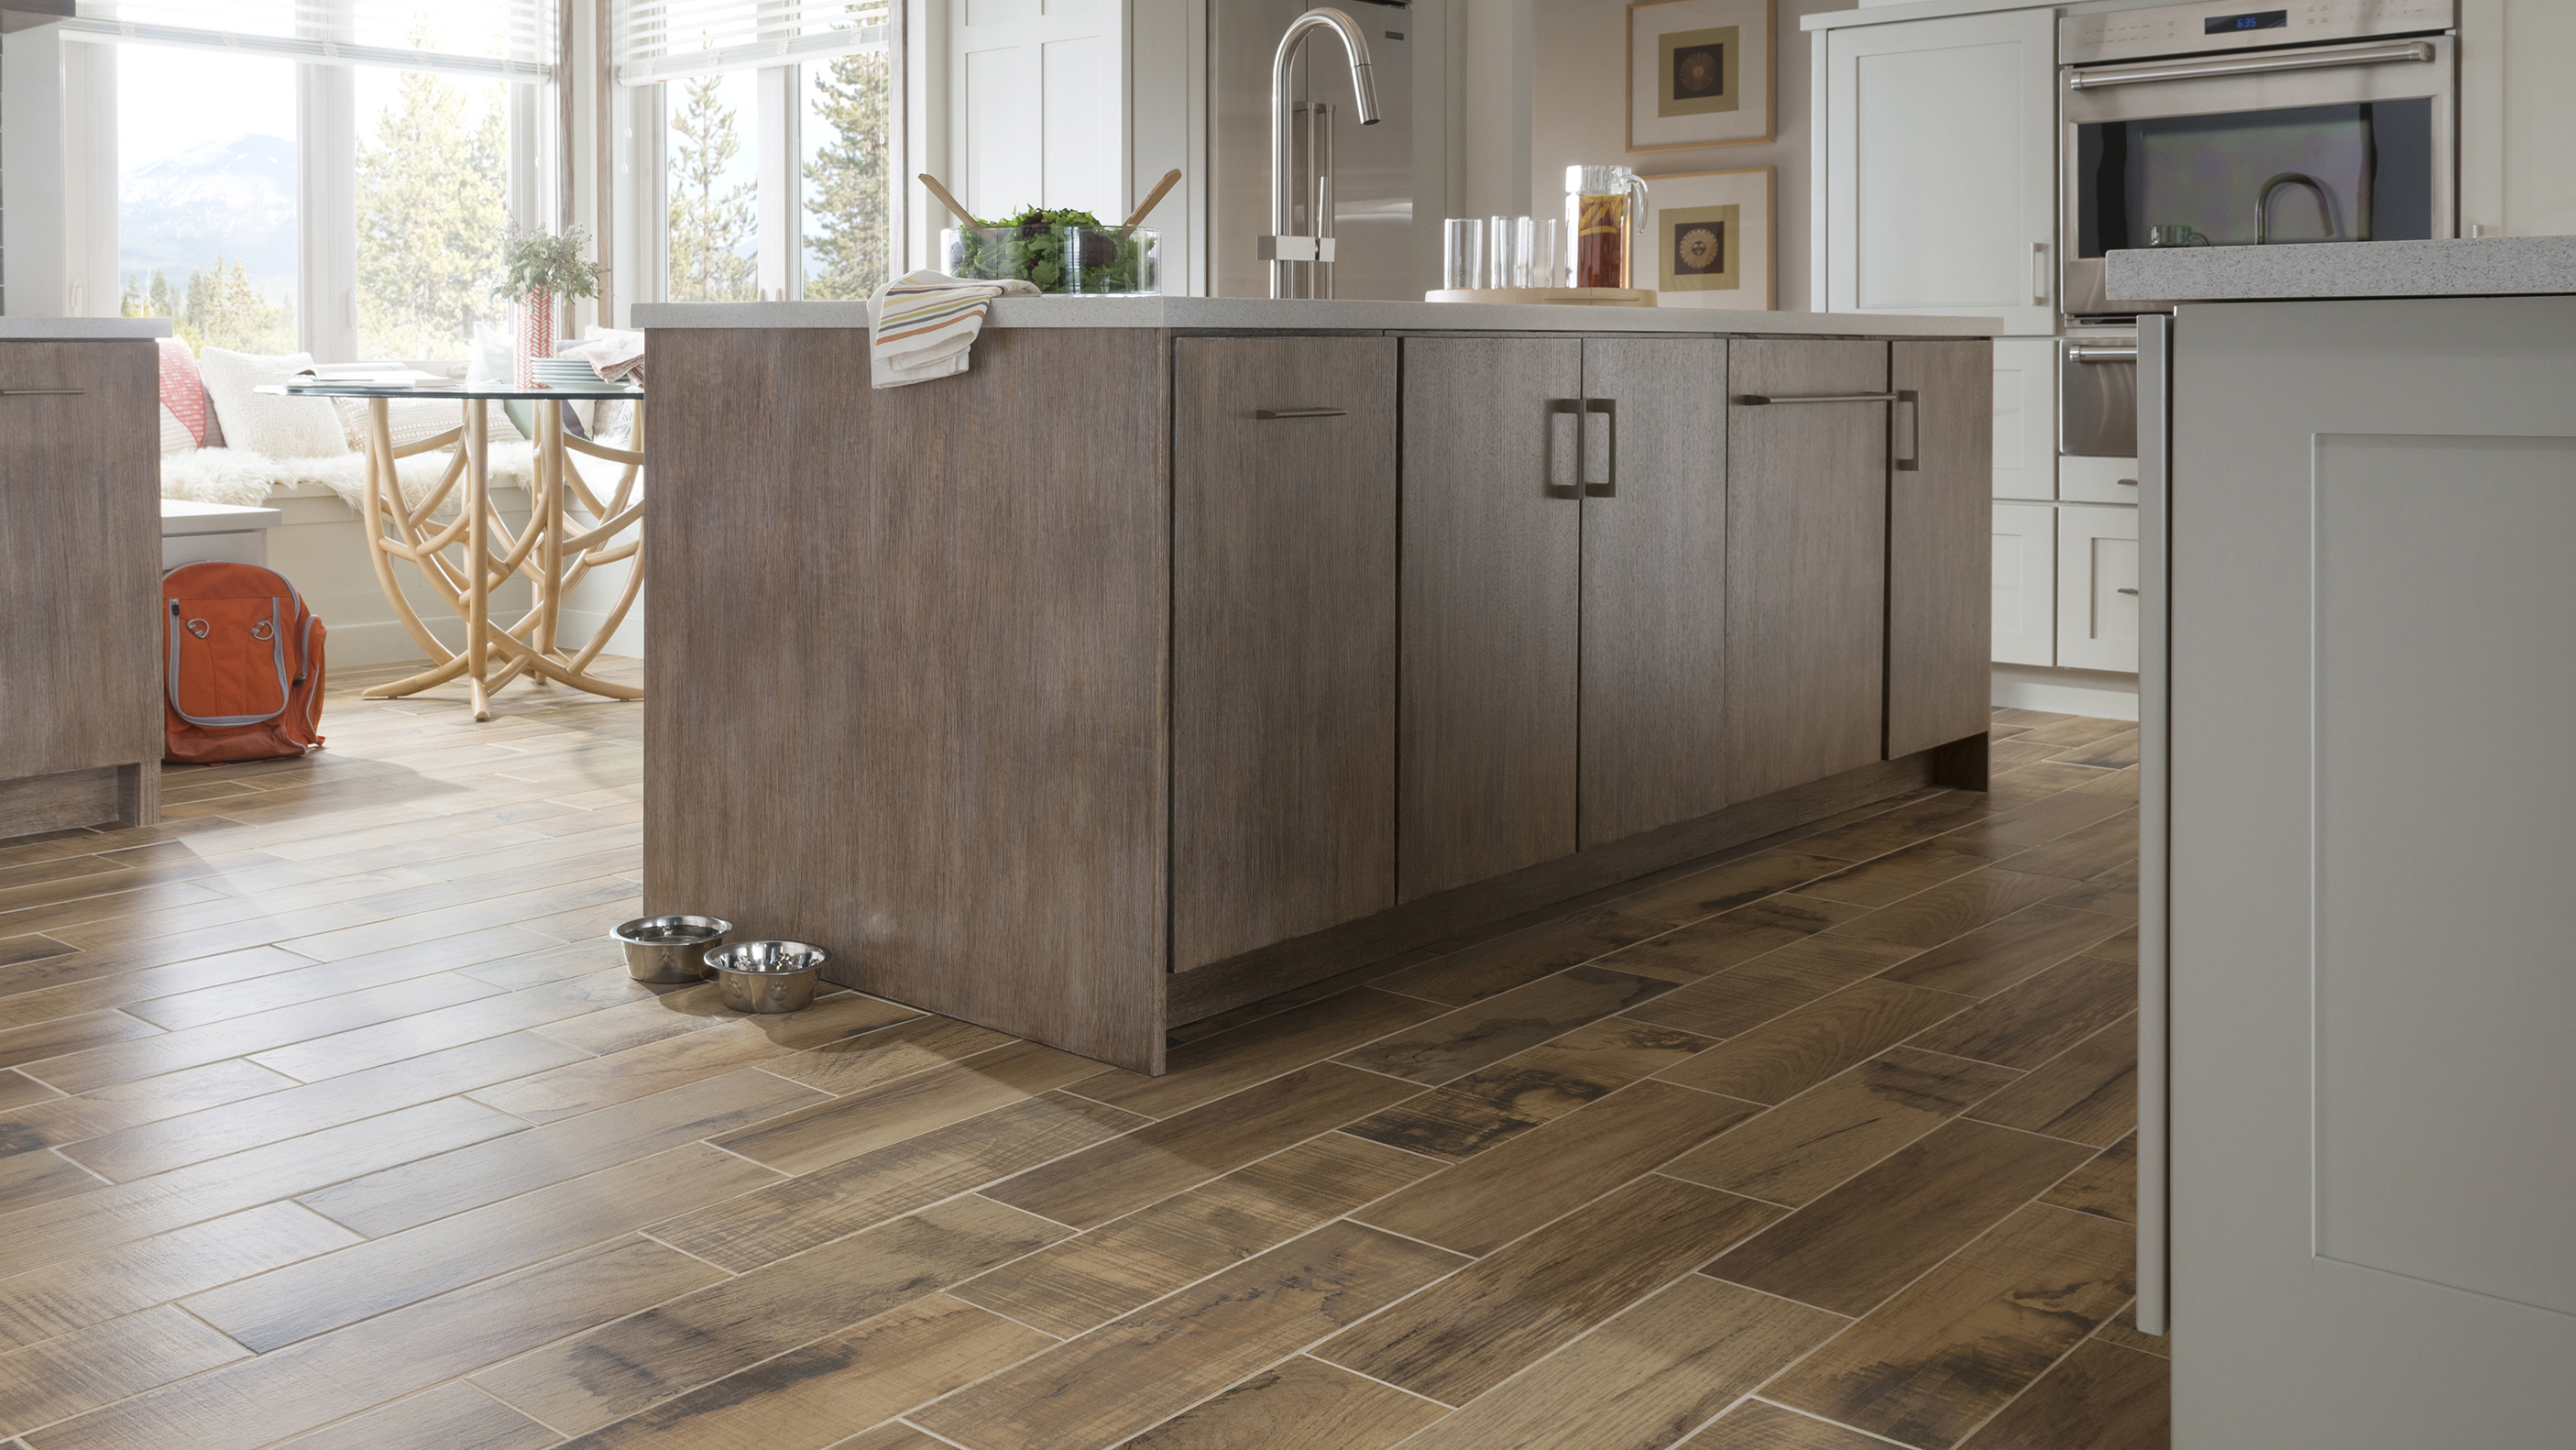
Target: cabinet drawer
<point x="2025" y="607"/>
<point x="2025" y="417"/>
<point x="2097" y="589"/>
<point x="2097" y="480"/>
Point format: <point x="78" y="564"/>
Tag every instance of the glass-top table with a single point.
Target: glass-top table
<point x="465" y="558"/>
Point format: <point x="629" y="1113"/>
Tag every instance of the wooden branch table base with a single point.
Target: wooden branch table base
<point x="465" y="559"/>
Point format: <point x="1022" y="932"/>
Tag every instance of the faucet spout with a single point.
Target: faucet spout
<point x="2263" y="204"/>
<point x="1280" y="248"/>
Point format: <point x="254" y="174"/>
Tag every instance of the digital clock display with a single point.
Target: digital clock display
<point x="2253" y="20"/>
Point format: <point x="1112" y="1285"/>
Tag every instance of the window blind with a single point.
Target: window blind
<point x="513" y="39"/>
<point x="658" y="39"/>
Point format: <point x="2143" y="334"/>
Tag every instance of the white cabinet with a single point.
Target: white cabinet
<point x="1940" y="157"/>
<point x="2517" y="172"/>
<point x="2097" y="480"/>
<point x="2025" y="417"/>
<point x="2097" y="589"/>
<point x="2025" y="609"/>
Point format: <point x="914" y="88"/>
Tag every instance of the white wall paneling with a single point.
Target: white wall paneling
<point x="32" y="236"/>
<point x="1037" y="105"/>
<point x="2097" y="588"/>
<point x="2025" y="608"/>
<point x="2025" y="417"/>
<point x="1941" y="193"/>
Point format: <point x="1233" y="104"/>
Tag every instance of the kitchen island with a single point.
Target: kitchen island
<point x="1186" y="651"/>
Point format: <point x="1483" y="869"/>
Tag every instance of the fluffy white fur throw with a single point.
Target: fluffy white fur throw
<point x="238" y="476"/>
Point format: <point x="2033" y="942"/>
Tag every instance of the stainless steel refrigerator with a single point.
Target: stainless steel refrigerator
<point x="1386" y="198"/>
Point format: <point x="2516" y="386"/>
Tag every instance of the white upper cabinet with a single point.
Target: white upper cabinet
<point x="1940" y="154"/>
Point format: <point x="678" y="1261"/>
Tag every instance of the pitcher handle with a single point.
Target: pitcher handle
<point x="1636" y="226"/>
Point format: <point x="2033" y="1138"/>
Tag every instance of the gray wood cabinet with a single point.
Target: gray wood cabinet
<point x="80" y="656"/>
<point x="1283" y="638"/>
<point x="1940" y="595"/>
<point x="1806" y="560"/>
<point x="1492" y="580"/>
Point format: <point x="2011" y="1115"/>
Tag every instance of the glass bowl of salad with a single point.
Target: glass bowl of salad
<point x="1064" y="251"/>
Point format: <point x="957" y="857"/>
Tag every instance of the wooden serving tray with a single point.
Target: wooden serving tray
<point x="1572" y="296"/>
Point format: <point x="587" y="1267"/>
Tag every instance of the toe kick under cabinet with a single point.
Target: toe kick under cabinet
<point x="1135" y="675"/>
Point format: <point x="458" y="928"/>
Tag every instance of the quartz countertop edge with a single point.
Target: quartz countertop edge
<point x="1262" y="314"/>
<point x="81" y="329"/>
<point x="2468" y="267"/>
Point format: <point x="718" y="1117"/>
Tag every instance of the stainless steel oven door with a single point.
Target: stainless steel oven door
<point x="2216" y="150"/>
<point x="2097" y="398"/>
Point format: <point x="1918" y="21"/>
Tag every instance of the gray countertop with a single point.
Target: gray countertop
<point x="1258" y="314"/>
<point x="2473" y="267"/>
<point x="81" y="329"/>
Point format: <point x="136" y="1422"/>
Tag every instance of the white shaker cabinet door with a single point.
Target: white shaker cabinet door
<point x="1941" y="151"/>
<point x="2025" y="584"/>
<point x="2025" y="417"/>
<point x="2097" y="589"/>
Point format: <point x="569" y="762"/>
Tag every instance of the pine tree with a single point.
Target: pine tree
<point x="131" y="303"/>
<point x="224" y="310"/>
<point x="847" y="181"/>
<point x="432" y="208"/>
<point x="162" y="303"/>
<point x="709" y="228"/>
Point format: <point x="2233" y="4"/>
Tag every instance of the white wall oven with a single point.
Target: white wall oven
<point x="2230" y="125"/>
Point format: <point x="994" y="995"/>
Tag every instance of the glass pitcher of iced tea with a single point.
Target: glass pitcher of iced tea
<point x="1605" y="207"/>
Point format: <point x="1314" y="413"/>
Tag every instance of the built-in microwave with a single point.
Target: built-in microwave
<point x="2223" y="124"/>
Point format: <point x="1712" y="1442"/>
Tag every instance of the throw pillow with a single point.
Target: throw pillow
<point x="264" y="423"/>
<point x="408" y="419"/>
<point x="183" y="398"/>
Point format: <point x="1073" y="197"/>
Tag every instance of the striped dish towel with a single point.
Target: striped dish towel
<point x="922" y="324"/>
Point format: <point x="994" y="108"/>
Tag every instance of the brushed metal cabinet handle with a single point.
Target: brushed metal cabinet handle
<point x="1912" y="462"/>
<point x="40" y="392"/>
<point x="2132" y="593"/>
<point x="1558" y="408"/>
<point x="1764" y="400"/>
<point x="1274" y="414"/>
<point x="2126" y="482"/>
<point x="1608" y="408"/>
<point x="2129" y="75"/>
<point x="2038" y="274"/>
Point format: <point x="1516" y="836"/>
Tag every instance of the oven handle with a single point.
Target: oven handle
<point x="2101" y="352"/>
<point x="2085" y="80"/>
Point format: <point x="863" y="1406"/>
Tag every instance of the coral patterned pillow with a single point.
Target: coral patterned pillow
<point x="183" y="398"/>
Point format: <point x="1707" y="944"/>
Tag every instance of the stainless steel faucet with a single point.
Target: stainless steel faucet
<point x="2263" y="204"/>
<point x="1280" y="249"/>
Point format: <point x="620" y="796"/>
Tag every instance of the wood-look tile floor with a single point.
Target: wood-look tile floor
<point x="331" y="1120"/>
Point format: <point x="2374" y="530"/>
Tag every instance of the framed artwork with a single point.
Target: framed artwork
<point x="1710" y="235"/>
<point x="1700" y="73"/>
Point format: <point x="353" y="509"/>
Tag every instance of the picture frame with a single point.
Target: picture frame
<point x="1701" y="73"/>
<point x="1711" y="237"/>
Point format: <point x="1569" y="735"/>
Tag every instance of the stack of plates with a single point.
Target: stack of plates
<point x="567" y="372"/>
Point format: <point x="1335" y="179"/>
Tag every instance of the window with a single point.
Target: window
<point x="205" y="212"/>
<point x="848" y="133"/>
<point x="712" y="188"/>
<point x="432" y="207"/>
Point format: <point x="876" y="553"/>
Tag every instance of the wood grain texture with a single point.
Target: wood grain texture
<point x="1297" y="1402"/>
<point x="1653" y="656"/>
<point x="813" y="1396"/>
<point x="106" y="1362"/>
<point x="39" y="1174"/>
<point x="1098" y="1184"/>
<point x="1211" y="1067"/>
<point x="83" y="797"/>
<point x="1798" y="1049"/>
<point x="2084" y="852"/>
<point x="2107" y="1186"/>
<point x="1497" y="1196"/>
<point x="1852" y="1248"/>
<point x="1741" y="998"/>
<point x="1953" y="1348"/>
<point x="1720" y="942"/>
<point x="80" y="556"/>
<point x="593" y="1083"/>
<point x="1824" y="1136"/>
<point x="2028" y="1023"/>
<point x="1940" y="546"/>
<point x="1283" y="640"/>
<point x="2089" y="1093"/>
<point x="887" y="1054"/>
<point x="1992" y="958"/>
<point x="1760" y="1425"/>
<point x="1457" y="1043"/>
<point x="823" y="1133"/>
<point x="1087" y="1281"/>
<point x="617" y="1369"/>
<point x="1142" y="1369"/>
<point x="1528" y="1088"/>
<point x="128" y="1278"/>
<point x="1646" y="1376"/>
<point x="978" y="576"/>
<point x="2100" y="1396"/>
<point x="1886" y="880"/>
<point x="1491" y="610"/>
<point x="818" y="1207"/>
<point x="453" y="1416"/>
<point x="1464" y="1336"/>
<point x="1806" y="560"/>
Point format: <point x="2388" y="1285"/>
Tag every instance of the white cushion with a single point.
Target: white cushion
<point x="261" y="423"/>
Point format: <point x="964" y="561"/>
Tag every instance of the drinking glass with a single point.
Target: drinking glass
<point x="1462" y="252"/>
<point x="1507" y="251"/>
<point x="1547" y="263"/>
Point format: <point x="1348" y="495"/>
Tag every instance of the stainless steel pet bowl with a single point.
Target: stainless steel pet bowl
<point x="670" y="948"/>
<point x="767" y="976"/>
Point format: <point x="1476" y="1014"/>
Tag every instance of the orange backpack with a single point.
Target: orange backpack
<point x="243" y="659"/>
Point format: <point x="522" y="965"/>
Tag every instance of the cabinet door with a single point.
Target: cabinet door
<point x="1940" y="565"/>
<point x="2097" y="589"/>
<point x="1283" y="639"/>
<point x="2098" y="480"/>
<point x="2025" y="593"/>
<point x="80" y="548"/>
<point x="2025" y="417"/>
<point x="1941" y="151"/>
<point x="1806" y="561"/>
<point x="1491" y="604"/>
<point x="1654" y="584"/>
